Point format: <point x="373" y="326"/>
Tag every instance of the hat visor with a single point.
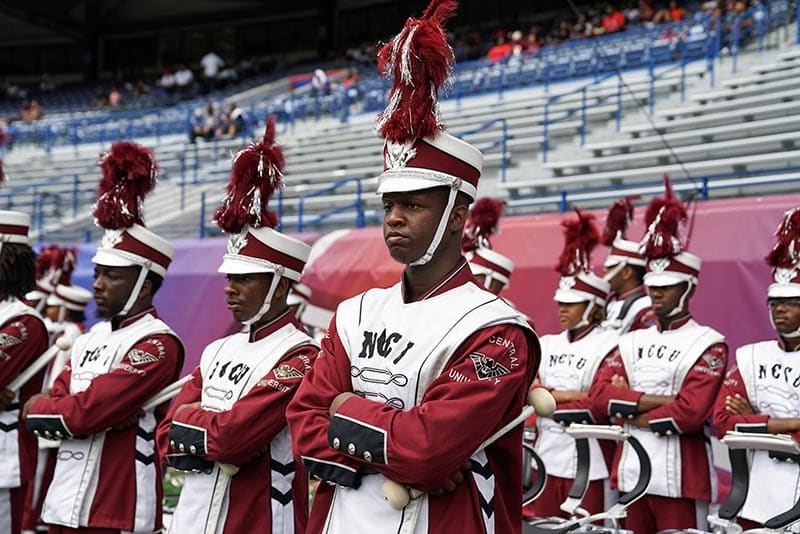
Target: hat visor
<point x="666" y="278"/>
<point x="399" y="184"/>
<point x="233" y="264"/>
<point x="53" y="300"/>
<point x="780" y="291"/>
<point x="110" y="259"/>
<point x="570" y="296"/>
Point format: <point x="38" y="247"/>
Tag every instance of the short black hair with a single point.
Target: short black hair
<point x="17" y="270"/>
<point x="76" y="316"/>
<point x="155" y="281"/>
<point x="638" y="271"/>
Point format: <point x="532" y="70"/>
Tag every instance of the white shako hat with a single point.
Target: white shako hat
<point x="622" y="251"/>
<point x="254" y="246"/>
<point x="667" y="261"/>
<point x="71" y="297"/>
<point x="784" y="258"/>
<point x="418" y="153"/>
<point x="129" y="174"/>
<point x="14" y="227"/>
<point x="578" y="283"/>
<point x="487" y="262"/>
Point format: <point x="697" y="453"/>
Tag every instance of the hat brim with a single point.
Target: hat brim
<point x="667" y="278"/>
<point x="231" y="265"/>
<point x="780" y="291"/>
<point x="110" y="259"/>
<point x="570" y="296"/>
<point x="403" y="181"/>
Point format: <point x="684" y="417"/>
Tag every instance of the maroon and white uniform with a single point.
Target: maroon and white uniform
<point x="767" y="376"/>
<point x="23" y="338"/>
<point x="46" y="460"/>
<point x="687" y="361"/>
<point x="570" y="365"/>
<point x="106" y="477"/>
<point x="244" y="383"/>
<point x="434" y="378"/>
<point x="630" y="311"/>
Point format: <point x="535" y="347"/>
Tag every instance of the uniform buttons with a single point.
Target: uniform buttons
<point x="172" y="444"/>
<point x="59" y="435"/>
<point x="630" y="416"/>
<point x="585" y="422"/>
<point x="181" y="447"/>
<point x="657" y="434"/>
<point x="47" y="434"/>
<point x="367" y="456"/>
<point x="192" y="449"/>
<point x="336" y="443"/>
<point x="37" y="433"/>
<point x="668" y="432"/>
<point x="351" y="448"/>
<point x="618" y="414"/>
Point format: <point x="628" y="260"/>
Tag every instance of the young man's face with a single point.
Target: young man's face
<point x="245" y="294"/>
<point x="112" y="287"/>
<point x="615" y="281"/>
<point x="785" y="314"/>
<point x="666" y="298"/>
<point x="410" y="220"/>
<point x="570" y="313"/>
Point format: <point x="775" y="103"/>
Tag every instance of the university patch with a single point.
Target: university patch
<point x="7" y="340"/>
<point x="487" y="368"/>
<point x="284" y="372"/>
<point x="140" y="357"/>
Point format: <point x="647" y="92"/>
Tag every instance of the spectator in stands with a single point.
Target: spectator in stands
<point x="233" y="122"/>
<point x="212" y="64"/>
<point x="320" y="84"/>
<point x="114" y="98"/>
<point x="517" y="44"/>
<point x="33" y="112"/>
<point x="100" y="98"/>
<point x="534" y="40"/>
<point x="500" y="50"/>
<point x="631" y="13"/>
<point x="167" y="81"/>
<point x="184" y="79"/>
<point x="614" y="20"/>
<point x="207" y="126"/>
<point x="582" y="27"/>
<point x="676" y="12"/>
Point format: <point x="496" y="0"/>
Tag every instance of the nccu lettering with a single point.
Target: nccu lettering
<point x="384" y="344"/>
<point x="778" y="371"/>
<point x="658" y="351"/>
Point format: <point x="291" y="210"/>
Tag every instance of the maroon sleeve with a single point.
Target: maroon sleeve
<point x="607" y="399"/>
<point x="24" y="338"/>
<point x="694" y="402"/>
<point x="574" y="411"/>
<point x="190" y="392"/>
<point x="725" y="420"/>
<point x="113" y="397"/>
<point x="645" y="318"/>
<point x="243" y="432"/>
<point x="308" y="418"/>
<point x="425" y="445"/>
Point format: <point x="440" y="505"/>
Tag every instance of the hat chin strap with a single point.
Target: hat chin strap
<point x="134" y="292"/>
<point x="677" y="310"/>
<point x="437" y="237"/>
<point x="40" y="306"/>
<point x="273" y="286"/>
<point x="615" y="271"/>
<point x="62" y="313"/>
<point x="585" y="317"/>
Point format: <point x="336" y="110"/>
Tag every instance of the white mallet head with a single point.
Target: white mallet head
<point x="63" y="343"/>
<point x="229" y="469"/>
<point x="395" y="494"/>
<point x="542" y="401"/>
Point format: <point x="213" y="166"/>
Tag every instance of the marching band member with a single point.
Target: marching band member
<point x="629" y="307"/>
<point x="662" y="382"/>
<point x="762" y="390"/>
<point x="411" y="379"/>
<point x="23" y="338"/>
<point x="569" y="363"/>
<point x="107" y="478"/>
<point x="227" y="426"/>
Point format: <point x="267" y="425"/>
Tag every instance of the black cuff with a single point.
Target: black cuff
<point x="666" y="426"/>
<point x="567" y="417"/>
<point x="784" y="457"/>
<point x="189" y="462"/>
<point x="623" y="409"/>
<point x="357" y="439"/>
<point x="187" y="438"/>
<point x="332" y="472"/>
<point x="48" y="426"/>
<point x="751" y="428"/>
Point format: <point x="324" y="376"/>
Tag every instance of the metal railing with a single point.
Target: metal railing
<point x="316" y="219"/>
<point x="502" y="143"/>
<point x="758" y="17"/>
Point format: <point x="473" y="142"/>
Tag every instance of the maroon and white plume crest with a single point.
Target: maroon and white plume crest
<point x="129" y="174"/>
<point x="580" y="237"/>
<point x="256" y="173"/>
<point x="663" y="220"/>
<point x="482" y="223"/>
<point x="786" y="252"/>
<point x="620" y="215"/>
<point x="420" y="60"/>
